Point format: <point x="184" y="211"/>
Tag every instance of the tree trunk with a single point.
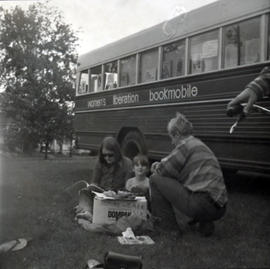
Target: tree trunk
<point x="70" y="149"/>
<point x="46" y="150"/>
<point x="60" y="143"/>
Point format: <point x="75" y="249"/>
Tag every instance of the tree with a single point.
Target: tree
<point x="37" y="68"/>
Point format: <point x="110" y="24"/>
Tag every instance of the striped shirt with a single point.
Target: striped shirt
<point x="261" y="84"/>
<point x="195" y="166"/>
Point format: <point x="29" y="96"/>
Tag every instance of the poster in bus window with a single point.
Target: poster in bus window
<point x="209" y="54"/>
<point x="210" y="48"/>
<point x="252" y="48"/>
<point x="150" y="74"/>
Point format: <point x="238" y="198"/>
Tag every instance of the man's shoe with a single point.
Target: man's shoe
<point x="206" y="228"/>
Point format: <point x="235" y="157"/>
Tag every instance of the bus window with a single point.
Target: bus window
<point x="204" y="52"/>
<point x="83" y="86"/>
<point x="111" y="75"/>
<point x="173" y="60"/>
<point x="128" y="71"/>
<point x="148" y="66"/>
<point x="242" y="43"/>
<point x="96" y="78"/>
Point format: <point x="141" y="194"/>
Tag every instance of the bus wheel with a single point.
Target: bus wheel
<point x="132" y="144"/>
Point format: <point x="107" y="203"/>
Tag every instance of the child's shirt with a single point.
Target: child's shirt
<point x="138" y="186"/>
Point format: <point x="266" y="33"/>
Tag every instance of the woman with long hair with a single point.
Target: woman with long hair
<point x="111" y="172"/>
<point x="112" y="169"/>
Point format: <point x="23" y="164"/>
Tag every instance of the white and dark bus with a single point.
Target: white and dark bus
<point x="195" y="64"/>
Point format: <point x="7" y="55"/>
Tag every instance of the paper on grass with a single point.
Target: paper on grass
<point x="138" y="240"/>
<point x="128" y="233"/>
<point x="129" y="238"/>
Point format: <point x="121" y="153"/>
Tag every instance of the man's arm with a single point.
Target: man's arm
<point x="172" y="165"/>
<point x="246" y="96"/>
<point x="253" y="92"/>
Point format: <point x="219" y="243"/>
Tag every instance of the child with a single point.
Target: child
<point x="140" y="183"/>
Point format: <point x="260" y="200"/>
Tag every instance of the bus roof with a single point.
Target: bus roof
<point x="211" y="15"/>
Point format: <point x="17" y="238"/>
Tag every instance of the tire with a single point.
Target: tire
<point x="133" y="144"/>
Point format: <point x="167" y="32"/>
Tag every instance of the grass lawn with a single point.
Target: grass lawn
<point x="33" y="205"/>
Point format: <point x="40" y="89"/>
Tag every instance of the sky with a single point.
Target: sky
<point x="100" y="22"/>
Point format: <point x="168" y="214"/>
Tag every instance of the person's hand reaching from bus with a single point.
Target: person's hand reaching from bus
<point x="246" y="96"/>
<point x="254" y="91"/>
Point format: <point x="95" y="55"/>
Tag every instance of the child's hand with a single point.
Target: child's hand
<point x="138" y="190"/>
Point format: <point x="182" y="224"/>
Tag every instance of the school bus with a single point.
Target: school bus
<point x="194" y="63"/>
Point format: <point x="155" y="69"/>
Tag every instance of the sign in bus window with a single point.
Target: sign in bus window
<point x="204" y="52"/>
<point x="173" y="60"/>
<point x="148" y="66"/>
<point x="111" y="75"/>
<point x="242" y="43"/>
<point x="96" y="79"/>
<point x="128" y="71"/>
<point x="84" y="83"/>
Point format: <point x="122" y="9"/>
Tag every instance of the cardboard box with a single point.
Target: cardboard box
<point x="107" y="211"/>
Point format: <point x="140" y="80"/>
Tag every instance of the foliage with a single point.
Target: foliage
<point x="37" y="68"/>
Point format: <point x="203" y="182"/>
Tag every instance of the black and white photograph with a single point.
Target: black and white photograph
<point x="134" y="134"/>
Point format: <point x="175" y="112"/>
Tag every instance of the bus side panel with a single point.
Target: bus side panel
<point x="247" y="148"/>
<point x="249" y="144"/>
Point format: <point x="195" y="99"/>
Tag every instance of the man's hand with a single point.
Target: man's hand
<point x="154" y="167"/>
<point x="246" y="96"/>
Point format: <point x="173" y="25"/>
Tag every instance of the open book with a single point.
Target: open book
<point x="95" y="188"/>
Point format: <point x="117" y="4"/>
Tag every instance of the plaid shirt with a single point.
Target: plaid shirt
<point x="261" y="84"/>
<point x="195" y="166"/>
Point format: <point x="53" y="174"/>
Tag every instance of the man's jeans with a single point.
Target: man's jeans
<point x="168" y="194"/>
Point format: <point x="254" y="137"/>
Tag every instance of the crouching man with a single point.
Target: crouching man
<point x="189" y="180"/>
